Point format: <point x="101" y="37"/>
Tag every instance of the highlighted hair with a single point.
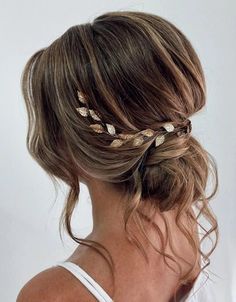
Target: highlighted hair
<point x="137" y="70"/>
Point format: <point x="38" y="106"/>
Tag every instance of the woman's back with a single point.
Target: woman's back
<point x="200" y="291"/>
<point x="136" y="281"/>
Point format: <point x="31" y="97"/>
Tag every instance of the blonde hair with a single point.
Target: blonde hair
<point x="137" y="70"/>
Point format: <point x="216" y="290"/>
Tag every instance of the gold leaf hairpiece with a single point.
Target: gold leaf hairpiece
<point x="121" y="138"/>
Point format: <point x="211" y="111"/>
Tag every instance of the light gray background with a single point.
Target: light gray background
<point x="30" y="239"/>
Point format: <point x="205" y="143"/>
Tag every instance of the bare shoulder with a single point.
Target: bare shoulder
<point x="54" y="284"/>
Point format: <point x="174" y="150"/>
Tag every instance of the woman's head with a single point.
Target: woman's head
<point x="138" y="71"/>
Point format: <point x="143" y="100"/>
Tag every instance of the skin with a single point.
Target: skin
<point x="143" y="282"/>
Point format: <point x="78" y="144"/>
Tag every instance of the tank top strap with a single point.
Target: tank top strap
<point x="86" y="280"/>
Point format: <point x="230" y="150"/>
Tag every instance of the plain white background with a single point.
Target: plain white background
<point x="29" y="218"/>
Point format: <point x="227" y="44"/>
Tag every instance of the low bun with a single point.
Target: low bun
<point x="178" y="166"/>
<point x="164" y="170"/>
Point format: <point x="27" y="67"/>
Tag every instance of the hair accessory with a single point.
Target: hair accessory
<point x="169" y="127"/>
<point x="137" y="138"/>
<point x="159" y="140"/>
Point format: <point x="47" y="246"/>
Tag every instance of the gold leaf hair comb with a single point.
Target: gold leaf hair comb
<point x="121" y="138"/>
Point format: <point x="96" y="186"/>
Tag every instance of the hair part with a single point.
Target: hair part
<point x="137" y="70"/>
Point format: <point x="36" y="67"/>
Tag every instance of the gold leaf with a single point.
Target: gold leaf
<point x="111" y="129"/>
<point x="83" y="111"/>
<point x="97" y="128"/>
<point x="94" y="115"/>
<point x="116" y="143"/>
<point x="159" y="140"/>
<point x="126" y="136"/>
<point x="137" y="141"/>
<point x="147" y="132"/>
<point x="168" y="127"/>
<point x="81" y="97"/>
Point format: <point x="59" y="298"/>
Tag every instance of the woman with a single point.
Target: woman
<point x="109" y="104"/>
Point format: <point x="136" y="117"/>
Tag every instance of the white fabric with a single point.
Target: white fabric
<point x="90" y="283"/>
